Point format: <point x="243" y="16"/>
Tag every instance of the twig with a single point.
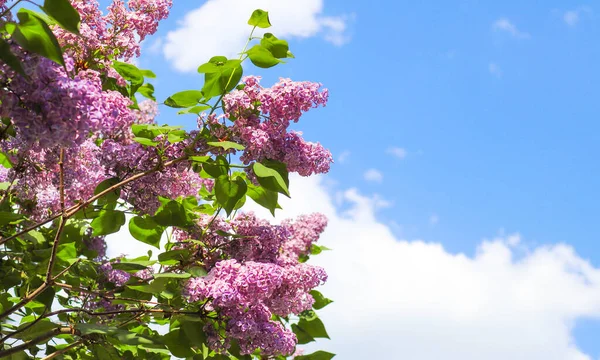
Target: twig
<point x="63" y="350"/>
<point x="72" y="210"/>
<point x="12" y="334"/>
<point x="104" y="296"/>
<point x="28" y="344"/>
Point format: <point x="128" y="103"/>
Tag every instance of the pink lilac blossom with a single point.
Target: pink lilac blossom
<point x="119" y="32"/>
<point x="50" y="108"/>
<point x="304" y="231"/>
<point x="38" y="183"/>
<point x="279" y="105"/>
<point x="120" y="277"/>
<point x="97" y="244"/>
<point x="248" y="294"/>
<point x="171" y="182"/>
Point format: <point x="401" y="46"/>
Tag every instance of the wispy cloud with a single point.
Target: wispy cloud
<point x="572" y="17"/>
<point x="434" y="219"/>
<point x="507" y="299"/>
<point x="185" y="48"/>
<point x="398" y="152"/>
<point x="495" y="70"/>
<point x="373" y="175"/>
<point x="343" y="157"/>
<point x="505" y="25"/>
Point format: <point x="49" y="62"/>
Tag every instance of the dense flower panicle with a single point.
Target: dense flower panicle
<point x="171" y="182"/>
<point x="50" y="108"/>
<point x="97" y="244"/>
<point x="119" y="32"/>
<point x="39" y="184"/>
<point x="304" y="231"/>
<point x="148" y="112"/>
<point x="120" y="277"/>
<point x="4" y="175"/>
<point x="281" y="104"/>
<point x="260" y="240"/>
<point x="248" y="294"/>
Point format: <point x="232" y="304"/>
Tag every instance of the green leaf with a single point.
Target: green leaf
<point x="309" y="329"/>
<point x="132" y="266"/>
<point x="34" y="35"/>
<point x="272" y="175"/>
<point x="262" y="57"/>
<point x="147" y="91"/>
<point x="131" y="338"/>
<point x="176" y="136"/>
<point x="145" y="141"/>
<point x="64" y="13"/>
<point x="197" y="271"/>
<point x="148" y="73"/>
<point x="155" y="287"/>
<point x="260" y="18"/>
<point x="320" y="300"/>
<point x="41" y="327"/>
<point x="226" y="145"/>
<point x="88" y="329"/>
<point x="172" y="275"/>
<point x="129" y="72"/>
<point x="217" y="167"/>
<point x="10" y="59"/>
<point x="107" y="222"/>
<point x="193" y="332"/>
<point x="5" y="161"/>
<point x="229" y="192"/>
<point x="172" y="214"/>
<point x="264" y="197"/>
<point x="178" y="344"/>
<point x="319" y="355"/>
<point x="278" y="48"/>
<point x="146" y="230"/>
<point x="175" y="255"/>
<point x="194" y="110"/>
<point x="9" y="217"/>
<point x="184" y="99"/>
<point x="111" y="196"/>
<point x="66" y="252"/>
<point x="221" y="75"/>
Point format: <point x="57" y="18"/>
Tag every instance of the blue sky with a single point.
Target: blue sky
<point x="492" y="108"/>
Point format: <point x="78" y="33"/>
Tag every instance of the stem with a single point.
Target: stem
<point x="10" y="8"/>
<point x="24" y="328"/>
<point x="37" y="340"/>
<point x="61" y="167"/>
<point x="69" y="212"/>
<point x="104" y="296"/>
<point x="64" y="350"/>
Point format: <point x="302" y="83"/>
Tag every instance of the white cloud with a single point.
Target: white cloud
<point x="495" y="70"/>
<point x="373" y="175"/>
<point x="399" y="299"/>
<point x="219" y="27"/>
<point x="434" y="219"/>
<point x="572" y="17"/>
<point x="503" y="24"/>
<point x="398" y="152"/>
<point x="343" y="157"/>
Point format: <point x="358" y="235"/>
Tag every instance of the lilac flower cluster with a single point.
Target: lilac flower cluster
<point x="118" y="32"/>
<point x="97" y="244"/>
<point x="120" y="277"/>
<point x="279" y="105"/>
<point x="304" y="231"/>
<point x="260" y="277"/>
<point x="247" y="294"/>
